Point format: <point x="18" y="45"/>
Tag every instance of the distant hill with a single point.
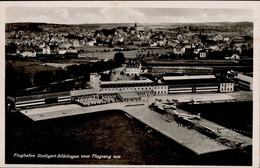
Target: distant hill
<point x="41" y="26"/>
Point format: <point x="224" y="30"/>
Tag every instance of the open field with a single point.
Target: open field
<point x="18" y="63"/>
<point x="98" y="53"/>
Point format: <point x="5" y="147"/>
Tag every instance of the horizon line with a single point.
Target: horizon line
<point x="131" y="22"/>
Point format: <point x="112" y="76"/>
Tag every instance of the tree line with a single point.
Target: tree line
<point x="18" y="81"/>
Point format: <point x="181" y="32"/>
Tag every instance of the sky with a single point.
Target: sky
<point x="125" y="15"/>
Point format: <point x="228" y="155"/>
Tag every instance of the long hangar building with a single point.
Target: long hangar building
<point x="98" y="88"/>
<point x="166" y="85"/>
<point x="186" y="84"/>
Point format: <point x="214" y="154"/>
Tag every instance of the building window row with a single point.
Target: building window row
<point x="160" y="92"/>
<point x="131" y="88"/>
<point x="160" y="87"/>
<point x="226" y="84"/>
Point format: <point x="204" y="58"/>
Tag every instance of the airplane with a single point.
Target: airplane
<point x="166" y="106"/>
<point x="173" y="101"/>
<point x="163" y="106"/>
<point x="192" y="101"/>
<point x="207" y="128"/>
<point x="187" y="116"/>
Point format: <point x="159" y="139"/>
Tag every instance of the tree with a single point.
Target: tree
<point x="119" y="59"/>
<point x="72" y="70"/>
<point x="43" y="78"/>
<point x="60" y="75"/>
<point x="11" y="48"/>
<point x="16" y="81"/>
<point x="248" y="38"/>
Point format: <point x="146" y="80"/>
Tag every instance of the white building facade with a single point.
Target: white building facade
<point x="226" y="87"/>
<point x="160" y="89"/>
<point x="133" y="69"/>
<point x="245" y="82"/>
<point x="95" y="81"/>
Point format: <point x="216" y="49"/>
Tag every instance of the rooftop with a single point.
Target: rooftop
<point x="181" y="67"/>
<point x="82" y="92"/>
<point x="189" y="77"/>
<point x="126" y="82"/>
<point x="129" y="95"/>
<point x="41" y="96"/>
<point x="27" y="50"/>
<point x="133" y="64"/>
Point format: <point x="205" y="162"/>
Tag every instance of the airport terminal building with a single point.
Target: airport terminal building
<point x="112" y="91"/>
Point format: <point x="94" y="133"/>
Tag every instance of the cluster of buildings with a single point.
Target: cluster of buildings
<point x="181" y="40"/>
<point x="132" y="90"/>
<point x="163" y="85"/>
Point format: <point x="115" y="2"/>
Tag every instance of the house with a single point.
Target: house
<point x="60" y="39"/>
<point x="214" y="47"/>
<point x="239" y="50"/>
<point x="187" y="46"/>
<point x="179" y="37"/>
<point x="218" y="37"/>
<point x="140" y="29"/>
<point x="137" y="42"/>
<point x="132" y="31"/>
<point x="65" y="45"/>
<point x="92" y="42"/>
<point x="194" y="45"/>
<point x="185" y="41"/>
<point x="153" y="43"/>
<point x="121" y="39"/>
<point x="76" y="43"/>
<point x="38" y="50"/>
<point x="72" y="50"/>
<point x="37" y="38"/>
<point x="46" y="38"/>
<point x="161" y="43"/>
<point x="46" y="50"/>
<point x="235" y="57"/>
<point x="54" y="39"/>
<point x="172" y="43"/>
<point x="27" y="52"/>
<point x="203" y="54"/>
<point x="133" y="68"/>
<point x="226" y="39"/>
<point x="195" y="39"/>
<point x="42" y="44"/>
<point x="81" y="42"/>
<point x="238" y="43"/>
<point x="197" y="50"/>
<point x="179" y="49"/>
<point x="62" y="50"/>
<point x="144" y="70"/>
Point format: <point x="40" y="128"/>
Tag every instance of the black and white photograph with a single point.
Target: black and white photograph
<point x="135" y="85"/>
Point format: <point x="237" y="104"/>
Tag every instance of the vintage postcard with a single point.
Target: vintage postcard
<point x="130" y="83"/>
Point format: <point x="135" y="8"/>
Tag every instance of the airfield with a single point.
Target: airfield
<point x="193" y="140"/>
